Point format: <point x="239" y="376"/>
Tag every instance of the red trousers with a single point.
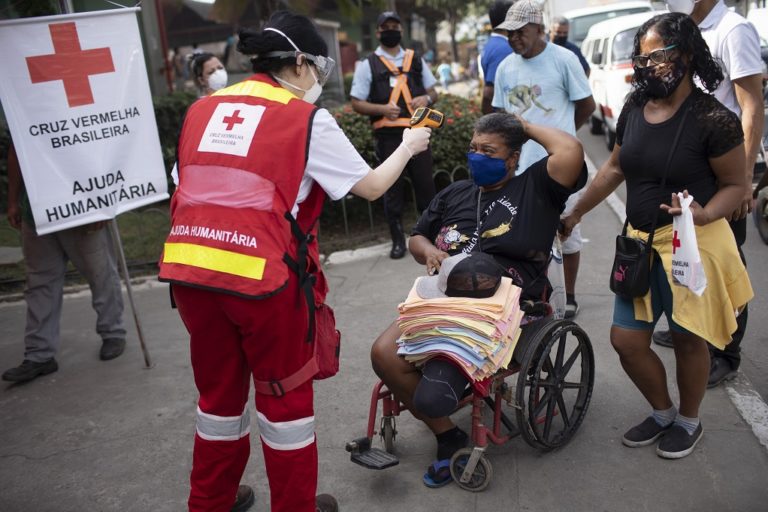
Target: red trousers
<point x="231" y="340"/>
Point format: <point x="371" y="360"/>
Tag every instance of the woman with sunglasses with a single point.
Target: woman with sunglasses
<point x="256" y="161"/>
<point x="707" y="162"/>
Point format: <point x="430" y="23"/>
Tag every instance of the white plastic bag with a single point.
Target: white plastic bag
<point x="557" y="280"/>
<point x="687" y="269"/>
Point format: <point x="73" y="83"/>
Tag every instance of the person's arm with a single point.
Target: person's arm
<point x="728" y="169"/>
<point x="426" y="253"/>
<point x="566" y="156"/>
<point x="424" y="100"/>
<point x="583" y="61"/>
<point x="583" y="110"/>
<point x="14" y="189"/>
<point x="578" y="88"/>
<point x="605" y="181"/>
<point x="749" y="95"/>
<point x="486" y="106"/>
<point x="378" y="180"/>
<point x="389" y="110"/>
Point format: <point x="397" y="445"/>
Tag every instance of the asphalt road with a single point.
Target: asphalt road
<point x="755" y="344"/>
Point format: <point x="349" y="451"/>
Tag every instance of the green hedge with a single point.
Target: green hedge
<point x="169" y="113"/>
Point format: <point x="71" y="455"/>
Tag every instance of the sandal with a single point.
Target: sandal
<point x="438" y="474"/>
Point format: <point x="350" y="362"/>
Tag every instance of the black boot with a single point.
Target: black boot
<point x="398" y="239"/>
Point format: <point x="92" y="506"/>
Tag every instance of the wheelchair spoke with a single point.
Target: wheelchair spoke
<point x="563" y="411"/>
<point x="541" y="403"/>
<point x="560" y="352"/>
<point x="572" y="359"/>
<point x="550" y="415"/>
<point x="574" y="385"/>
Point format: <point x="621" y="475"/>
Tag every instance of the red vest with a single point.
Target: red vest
<point x="242" y="154"/>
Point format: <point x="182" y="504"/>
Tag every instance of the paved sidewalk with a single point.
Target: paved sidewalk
<point x="112" y="436"/>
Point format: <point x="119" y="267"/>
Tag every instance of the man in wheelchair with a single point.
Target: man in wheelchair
<point x="514" y="219"/>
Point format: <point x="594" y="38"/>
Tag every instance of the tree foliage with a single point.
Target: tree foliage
<point x="454" y="11"/>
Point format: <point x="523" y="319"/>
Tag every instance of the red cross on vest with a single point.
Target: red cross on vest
<point x="70" y="64"/>
<point x="234" y="119"/>
<point x="675" y="242"/>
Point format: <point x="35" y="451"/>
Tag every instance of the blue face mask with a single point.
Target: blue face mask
<point x="486" y="170"/>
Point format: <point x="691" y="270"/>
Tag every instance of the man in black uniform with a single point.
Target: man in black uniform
<point x="389" y="86"/>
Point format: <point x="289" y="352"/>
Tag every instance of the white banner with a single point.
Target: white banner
<point x="75" y="92"/>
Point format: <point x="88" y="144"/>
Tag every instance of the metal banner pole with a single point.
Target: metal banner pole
<point x="115" y="232"/>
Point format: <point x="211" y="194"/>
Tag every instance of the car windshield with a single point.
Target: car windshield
<point x="580" y="24"/>
<point x="623" y="44"/>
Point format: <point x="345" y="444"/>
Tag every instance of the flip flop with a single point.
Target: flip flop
<point x="438" y="474"/>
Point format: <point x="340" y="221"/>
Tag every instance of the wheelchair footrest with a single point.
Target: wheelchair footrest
<point x="374" y="458"/>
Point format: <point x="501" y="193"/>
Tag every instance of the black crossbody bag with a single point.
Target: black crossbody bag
<point x="631" y="272"/>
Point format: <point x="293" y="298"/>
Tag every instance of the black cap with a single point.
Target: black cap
<point x="475" y="275"/>
<point x="387" y="15"/>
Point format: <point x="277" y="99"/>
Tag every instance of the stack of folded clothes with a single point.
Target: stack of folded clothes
<point x="468" y="314"/>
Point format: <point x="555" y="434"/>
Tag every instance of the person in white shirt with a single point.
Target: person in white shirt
<point x="735" y="45"/>
<point x="544" y="84"/>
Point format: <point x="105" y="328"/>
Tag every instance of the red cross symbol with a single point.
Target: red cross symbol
<point x="234" y="119"/>
<point x="70" y="64"/>
<point x="675" y="242"/>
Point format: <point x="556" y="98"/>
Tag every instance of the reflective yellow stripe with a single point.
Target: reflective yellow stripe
<point x="407" y="61"/>
<point x="219" y="260"/>
<point x="390" y="66"/>
<point x="257" y="89"/>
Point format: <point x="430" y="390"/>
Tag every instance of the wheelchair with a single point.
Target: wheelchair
<point x="547" y="389"/>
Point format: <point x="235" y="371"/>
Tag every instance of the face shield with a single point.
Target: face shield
<point x="324" y="65"/>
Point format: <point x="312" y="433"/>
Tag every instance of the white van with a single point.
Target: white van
<point x="608" y="49"/>
<point x="582" y="19"/>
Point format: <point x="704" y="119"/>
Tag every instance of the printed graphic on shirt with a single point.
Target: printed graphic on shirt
<point x="231" y="129"/>
<point x="503" y="227"/>
<point x="449" y="238"/>
<point x="523" y="97"/>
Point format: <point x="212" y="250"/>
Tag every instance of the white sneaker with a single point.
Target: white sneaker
<point x="571" y="310"/>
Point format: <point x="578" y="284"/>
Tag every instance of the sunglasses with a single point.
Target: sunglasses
<point x="653" y="58"/>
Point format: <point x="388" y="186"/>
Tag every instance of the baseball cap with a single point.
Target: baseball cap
<point x="475" y="275"/>
<point x="521" y="14"/>
<point x="387" y="15"/>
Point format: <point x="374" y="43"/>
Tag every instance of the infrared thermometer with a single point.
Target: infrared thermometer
<point x="427" y="117"/>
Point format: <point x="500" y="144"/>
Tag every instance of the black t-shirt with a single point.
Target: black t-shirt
<point x="710" y="130"/>
<point x="518" y="223"/>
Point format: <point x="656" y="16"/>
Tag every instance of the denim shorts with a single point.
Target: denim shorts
<point x="661" y="302"/>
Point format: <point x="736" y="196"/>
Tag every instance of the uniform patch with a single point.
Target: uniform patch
<point x="231" y="129"/>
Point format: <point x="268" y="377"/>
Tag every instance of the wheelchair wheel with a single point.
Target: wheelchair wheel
<point x="388" y="433"/>
<point x="481" y="476"/>
<point x="554" y="385"/>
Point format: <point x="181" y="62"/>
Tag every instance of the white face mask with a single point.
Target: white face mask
<point x="218" y="79"/>
<point x="683" y="6"/>
<point x="310" y="95"/>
